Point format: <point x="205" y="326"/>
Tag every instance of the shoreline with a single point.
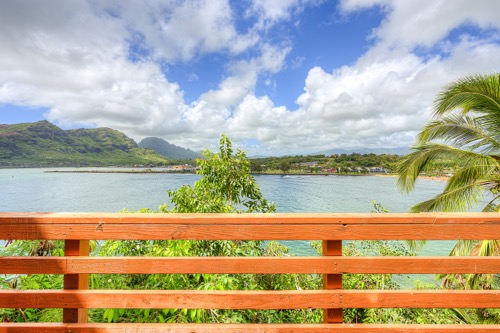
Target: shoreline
<point x="147" y="171"/>
<point x="434" y="178"/>
<point x="153" y="171"/>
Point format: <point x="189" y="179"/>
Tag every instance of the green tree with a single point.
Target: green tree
<point x="466" y="127"/>
<point x="285" y="166"/>
<point x="255" y="166"/>
<point x="226" y="186"/>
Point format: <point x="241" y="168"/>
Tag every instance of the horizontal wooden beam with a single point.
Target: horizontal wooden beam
<point x="225" y="219"/>
<point x="249" y="265"/>
<point x="288" y="299"/>
<point x="250" y="232"/>
<point x="242" y="328"/>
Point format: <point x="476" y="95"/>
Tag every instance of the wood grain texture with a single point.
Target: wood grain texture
<point x="250" y="226"/>
<point x="331" y="228"/>
<point x="249" y="265"/>
<point x="332" y="281"/>
<point x="196" y="299"/>
<point x="34" y="328"/>
<point x="76" y="281"/>
<point x="241" y="328"/>
<point x="226" y="219"/>
<point x="251" y="232"/>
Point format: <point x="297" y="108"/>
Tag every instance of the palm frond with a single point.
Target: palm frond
<point x="458" y="199"/>
<point x="486" y="248"/>
<point x="415" y="245"/>
<point x="468" y="185"/>
<point x="466" y="128"/>
<point x="460" y="131"/>
<point x="463" y="247"/>
<point x="479" y="93"/>
<point x="414" y="163"/>
<point x="477" y="171"/>
<point x="493" y="206"/>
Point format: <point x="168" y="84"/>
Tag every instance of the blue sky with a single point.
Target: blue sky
<point x="277" y="77"/>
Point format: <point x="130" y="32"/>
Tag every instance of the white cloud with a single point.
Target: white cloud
<point x="348" y="6"/>
<point x="380" y="101"/>
<point x="271" y="11"/>
<point x="74" y="59"/>
<point x="182" y="30"/>
<point x="413" y="23"/>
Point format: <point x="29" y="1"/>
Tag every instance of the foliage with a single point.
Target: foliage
<point x="226" y="186"/>
<point x="466" y="127"/>
<point x="166" y="149"/>
<point x="294" y="164"/>
<point x="42" y="144"/>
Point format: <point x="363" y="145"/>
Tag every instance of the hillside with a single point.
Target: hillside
<point x="378" y="151"/>
<point x="42" y="144"/>
<point x="168" y="150"/>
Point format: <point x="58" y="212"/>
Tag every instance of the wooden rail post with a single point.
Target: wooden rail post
<point x="76" y="281"/>
<point x="332" y="281"/>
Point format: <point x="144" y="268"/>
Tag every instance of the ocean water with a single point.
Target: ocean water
<point x="36" y="190"/>
<point x="27" y="190"/>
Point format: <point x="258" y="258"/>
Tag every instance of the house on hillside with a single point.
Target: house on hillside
<point x="182" y="167"/>
<point x="378" y="170"/>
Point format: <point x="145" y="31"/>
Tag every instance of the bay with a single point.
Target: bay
<point x="26" y="190"/>
<point x="36" y="190"/>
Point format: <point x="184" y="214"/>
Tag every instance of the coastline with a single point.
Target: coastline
<point x="163" y="171"/>
<point x="435" y="178"/>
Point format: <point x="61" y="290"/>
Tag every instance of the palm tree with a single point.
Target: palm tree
<point x="465" y="128"/>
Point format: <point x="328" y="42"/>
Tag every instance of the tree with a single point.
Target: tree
<point x="226" y="186"/>
<point x="255" y="166"/>
<point x="466" y="127"/>
<point x="285" y="166"/>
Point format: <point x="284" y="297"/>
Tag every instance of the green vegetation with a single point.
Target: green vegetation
<point x="466" y="127"/>
<point x="43" y="144"/>
<point x="226" y="186"/>
<point x="167" y="150"/>
<point x="337" y="164"/>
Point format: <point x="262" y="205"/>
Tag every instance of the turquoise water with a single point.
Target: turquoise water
<point x="34" y="190"/>
<point x="27" y="190"/>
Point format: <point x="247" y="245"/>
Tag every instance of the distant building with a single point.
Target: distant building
<point x="378" y="170"/>
<point x="309" y="164"/>
<point x="182" y="167"/>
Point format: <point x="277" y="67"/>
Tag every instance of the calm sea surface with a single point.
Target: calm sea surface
<point x="27" y="190"/>
<point x="35" y="190"/>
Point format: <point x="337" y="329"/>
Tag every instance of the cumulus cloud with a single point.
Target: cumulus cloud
<point x="100" y="63"/>
<point x="103" y="64"/>
<point x="181" y="30"/>
<point x="385" y="97"/>
<point x="270" y="12"/>
<point x="425" y="23"/>
<point x="59" y="58"/>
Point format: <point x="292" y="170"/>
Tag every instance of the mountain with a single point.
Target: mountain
<point x="42" y="144"/>
<point x="378" y="151"/>
<point x="168" y="150"/>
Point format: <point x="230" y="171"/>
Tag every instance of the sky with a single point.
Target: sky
<point x="278" y="77"/>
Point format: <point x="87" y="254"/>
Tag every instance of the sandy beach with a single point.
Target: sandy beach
<point x="436" y="178"/>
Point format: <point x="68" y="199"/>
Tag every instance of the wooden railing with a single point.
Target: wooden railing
<point x="78" y="229"/>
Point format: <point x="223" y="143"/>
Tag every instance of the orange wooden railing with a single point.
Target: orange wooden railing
<point x="78" y="229"/>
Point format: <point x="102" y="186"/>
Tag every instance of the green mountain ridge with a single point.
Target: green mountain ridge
<point x="168" y="150"/>
<point x="42" y="144"/>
